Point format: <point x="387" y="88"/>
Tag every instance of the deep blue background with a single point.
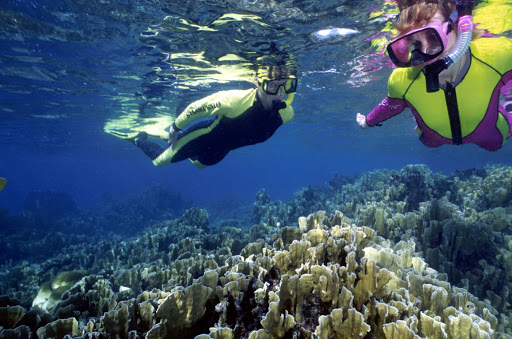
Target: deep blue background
<point x="66" y="68"/>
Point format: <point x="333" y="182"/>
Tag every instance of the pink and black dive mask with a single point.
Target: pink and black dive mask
<point x="420" y="46"/>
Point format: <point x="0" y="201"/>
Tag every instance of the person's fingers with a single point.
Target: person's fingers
<point x="361" y="120"/>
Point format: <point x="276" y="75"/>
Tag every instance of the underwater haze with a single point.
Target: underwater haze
<point x="80" y="200"/>
<point x="68" y="67"/>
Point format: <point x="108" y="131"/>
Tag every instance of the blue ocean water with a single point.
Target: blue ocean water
<point x="68" y="67"/>
<point x="78" y="198"/>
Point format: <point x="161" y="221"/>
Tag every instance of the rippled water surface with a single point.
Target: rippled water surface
<point x="70" y="68"/>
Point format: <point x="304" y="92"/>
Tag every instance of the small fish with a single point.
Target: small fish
<point x="2" y="183"/>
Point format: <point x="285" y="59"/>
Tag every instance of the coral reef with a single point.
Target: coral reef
<point x="157" y="203"/>
<point x="195" y="216"/>
<point x="46" y="207"/>
<point x="329" y="279"/>
<point x="460" y="223"/>
<point x="32" y="237"/>
<point x="398" y="254"/>
<point x="268" y="212"/>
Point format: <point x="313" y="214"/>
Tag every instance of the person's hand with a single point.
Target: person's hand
<point x="361" y="121"/>
<point x="173" y="136"/>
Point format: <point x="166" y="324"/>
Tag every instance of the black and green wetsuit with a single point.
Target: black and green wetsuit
<point x="237" y="118"/>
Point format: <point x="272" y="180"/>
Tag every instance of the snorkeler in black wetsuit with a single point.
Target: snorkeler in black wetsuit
<point x="235" y="119"/>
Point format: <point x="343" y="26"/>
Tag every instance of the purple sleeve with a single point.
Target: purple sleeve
<point x="506" y="92"/>
<point x="388" y="108"/>
<point x="505" y="100"/>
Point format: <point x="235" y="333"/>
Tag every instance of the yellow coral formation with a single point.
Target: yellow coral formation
<point x="183" y="308"/>
<point x="10" y="316"/>
<point x="326" y="279"/>
<point x="59" y="328"/>
<point x="51" y="292"/>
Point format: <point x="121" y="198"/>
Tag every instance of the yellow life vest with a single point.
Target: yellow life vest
<point x="490" y="59"/>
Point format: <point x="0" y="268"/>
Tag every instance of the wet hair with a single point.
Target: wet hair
<point x="278" y="72"/>
<point x="414" y="13"/>
<point x="276" y="64"/>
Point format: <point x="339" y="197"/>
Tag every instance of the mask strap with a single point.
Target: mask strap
<point x="465" y="32"/>
<point x="454" y="17"/>
<point x="448" y="27"/>
<point x="451" y="21"/>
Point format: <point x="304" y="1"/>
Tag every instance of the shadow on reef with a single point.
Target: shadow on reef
<point x="403" y="254"/>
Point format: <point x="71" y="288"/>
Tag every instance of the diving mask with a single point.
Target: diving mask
<point x="273" y="86"/>
<point x="420" y="46"/>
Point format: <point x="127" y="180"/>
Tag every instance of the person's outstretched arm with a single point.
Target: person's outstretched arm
<point x="387" y="108"/>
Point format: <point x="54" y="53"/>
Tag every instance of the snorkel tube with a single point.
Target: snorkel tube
<point x="289" y="100"/>
<point x="464" y="35"/>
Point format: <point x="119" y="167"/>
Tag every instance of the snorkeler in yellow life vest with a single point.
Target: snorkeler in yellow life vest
<point x="231" y="119"/>
<point x="435" y="51"/>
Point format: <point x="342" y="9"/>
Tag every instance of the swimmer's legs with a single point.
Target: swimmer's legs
<point x="151" y="149"/>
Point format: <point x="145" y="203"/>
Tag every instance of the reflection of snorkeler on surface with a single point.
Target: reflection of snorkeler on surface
<point x="434" y="50"/>
<point x="235" y="118"/>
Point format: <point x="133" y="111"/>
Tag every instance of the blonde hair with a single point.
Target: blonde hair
<point x="414" y="13"/>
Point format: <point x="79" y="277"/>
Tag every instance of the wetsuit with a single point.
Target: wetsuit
<point x="233" y="119"/>
<point x="468" y="112"/>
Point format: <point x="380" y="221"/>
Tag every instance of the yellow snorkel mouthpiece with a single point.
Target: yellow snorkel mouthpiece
<point x="289" y="100"/>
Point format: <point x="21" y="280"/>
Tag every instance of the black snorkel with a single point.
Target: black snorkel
<point x="462" y="13"/>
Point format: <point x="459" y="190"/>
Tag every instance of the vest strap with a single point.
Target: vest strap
<point x="453" y="113"/>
